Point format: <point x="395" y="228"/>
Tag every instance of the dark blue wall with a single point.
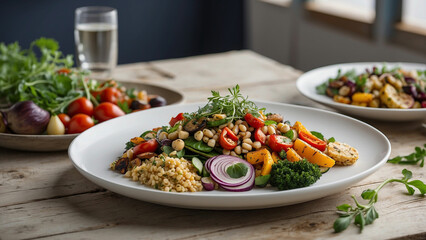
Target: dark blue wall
<point x="148" y="29"/>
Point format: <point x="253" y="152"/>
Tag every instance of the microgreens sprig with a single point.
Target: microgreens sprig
<point x="366" y="214"/>
<point x="233" y="105"/>
<point x="418" y="155"/>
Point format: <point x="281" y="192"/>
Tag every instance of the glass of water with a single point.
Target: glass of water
<point x="96" y="38"/>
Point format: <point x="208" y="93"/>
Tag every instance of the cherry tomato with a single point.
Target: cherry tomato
<point x="260" y="136"/>
<point x="254" y="121"/>
<point x="148" y="146"/>
<point x="106" y="111"/>
<point x="312" y="140"/>
<point x="278" y="143"/>
<point x="112" y="95"/>
<point x="80" y="105"/>
<point x="65" y="119"/>
<point x="80" y="123"/>
<point x="64" y="71"/>
<point x="227" y="139"/>
<point x="176" y="119"/>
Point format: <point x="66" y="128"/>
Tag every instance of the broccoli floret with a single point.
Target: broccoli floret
<point x="289" y="175"/>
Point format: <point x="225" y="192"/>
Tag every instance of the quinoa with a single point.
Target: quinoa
<point x="167" y="174"/>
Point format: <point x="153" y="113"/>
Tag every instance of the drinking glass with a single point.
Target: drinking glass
<point x="96" y="38"/>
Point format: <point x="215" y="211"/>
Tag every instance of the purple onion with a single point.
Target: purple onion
<point x="424" y="104"/>
<point x="411" y="90"/>
<point x="208" y="183"/>
<point x="352" y="87"/>
<point x="421" y="96"/>
<point x="217" y="167"/>
<point x="27" y="118"/>
<point x="410" y="80"/>
<point x="166" y="142"/>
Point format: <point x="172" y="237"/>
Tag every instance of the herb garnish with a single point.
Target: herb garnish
<point x="234" y="106"/>
<point x="237" y="170"/>
<point x="24" y="76"/>
<point x="366" y="214"/>
<point x="411" y="159"/>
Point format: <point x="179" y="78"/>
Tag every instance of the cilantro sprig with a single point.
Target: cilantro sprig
<point x="365" y="214"/>
<point x="417" y="156"/>
<point x="233" y="105"/>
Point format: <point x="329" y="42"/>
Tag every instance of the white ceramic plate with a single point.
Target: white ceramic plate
<point x="93" y="150"/>
<point x="307" y="83"/>
<point x="48" y="143"/>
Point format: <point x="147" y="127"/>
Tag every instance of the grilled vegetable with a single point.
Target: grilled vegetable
<point x="392" y="99"/>
<point x="292" y="155"/>
<point x="311" y="154"/>
<point x="342" y="153"/>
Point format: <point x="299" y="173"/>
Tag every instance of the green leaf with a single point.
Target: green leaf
<point x="344" y="207"/>
<point x="360" y="220"/>
<point x="368" y="194"/>
<point x="407" y="174"/>
<point x="180" y="153"/>
<point x="289" y="134"/>
<point x="331" y="140"/>
<point x="173" y="129"/>
<point x="167" y="149"/>
<point x="124" y="107"/>
<point x="129" y="145"/>
<point x="237" y="170"/>
<point x="203" y="154"/>
<point x="410" y="189"/>
<point x="342" y="223"/>
<point x="322" y="88"/>
<point x="396" y="159"/>
<point x="318" y="135"/>
<point x="146" y="133"/>
<point x="269" y="122"/>
<point x="419" y="185"/>
<point x="198" y="145"/>
<point x="371" y="215"/>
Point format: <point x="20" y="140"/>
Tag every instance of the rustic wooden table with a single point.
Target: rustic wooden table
<point x="42" y="196"/>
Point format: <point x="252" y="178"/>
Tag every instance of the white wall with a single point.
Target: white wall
<point x="281" y="34"/>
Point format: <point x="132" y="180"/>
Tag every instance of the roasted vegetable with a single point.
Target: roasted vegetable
<point x="290" y="175"/>
<point x="393" y="99"/>
<point x="311" y="154"/>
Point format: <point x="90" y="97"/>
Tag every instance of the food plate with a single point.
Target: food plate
<point x="47" y="143"/>
<point x="93" y="150"/>
<point x="308" y="81"/>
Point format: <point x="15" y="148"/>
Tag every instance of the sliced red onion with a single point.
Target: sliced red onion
<point x="217" y="167"/>
<point x="208" y="183"/>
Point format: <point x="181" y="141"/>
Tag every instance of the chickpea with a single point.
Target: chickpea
<point x="235" y="129"/>
<point x="247" y="135"/>
<point x="234" y="154"/>
<point x="256" y="145"/>
<point x="198" y="135"/>
<point x="251" y="129"/>
<point x="178" y="144"/>
<point x="226" y="152"/>
<point x="246" y="146"/>
<point x="183" y="134"/>
<point x="283" y="127"/>
<point x="215" y="137"/>
<point x="265" y="129"/>
<point x="163" y="135"/>
<point x="344" y="91"/>
<point x="211" y="143"/>
<point x="271" y="130"/>
<point x="238" y="122"/>
<point x="237" y="149"/>
<point x="206" y="139"/>
<point x="230" y="125"/>
<point x="242" y="128"/>
<point x="173" y="135"/>
<point x="247" y="140"/>
<point x="207" y="133"/>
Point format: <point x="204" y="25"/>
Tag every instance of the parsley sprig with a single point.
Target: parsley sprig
<point x="31" y="74"/>
<point x="234" y="105"/>
<point x="417" y="156"/>
<point x="366" y="214"/>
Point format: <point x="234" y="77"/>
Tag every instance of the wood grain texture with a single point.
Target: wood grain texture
<point x="42" y="196"/>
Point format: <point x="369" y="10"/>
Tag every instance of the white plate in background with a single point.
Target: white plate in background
<point x="307" y="83"/>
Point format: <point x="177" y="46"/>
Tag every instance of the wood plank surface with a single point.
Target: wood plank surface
<point x="42" y="196"/>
